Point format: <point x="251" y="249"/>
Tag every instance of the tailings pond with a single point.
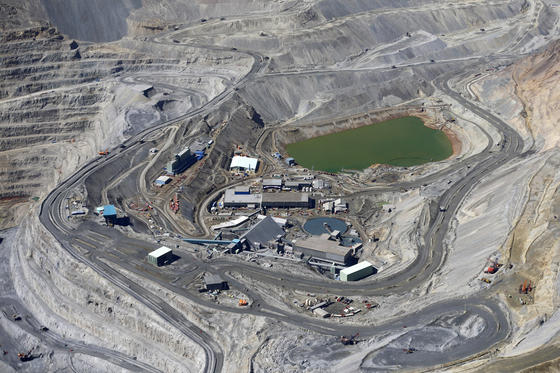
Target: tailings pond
<point x="402" y="142"/>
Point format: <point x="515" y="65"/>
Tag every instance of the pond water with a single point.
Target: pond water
<point x="402" y="142"/>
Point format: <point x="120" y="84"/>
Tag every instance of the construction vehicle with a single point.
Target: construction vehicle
<point x="349" y="340"/>
<point x="494" y="266"/>
<point x="242" y="302"/>
<point x="104" y="152"/>
<point x="484" y="279"/>
<point x="26" y="356"/>
<point x="524" y="289"/>
<point x="16" y="317"/>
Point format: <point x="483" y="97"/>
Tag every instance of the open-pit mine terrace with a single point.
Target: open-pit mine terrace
<point x="126" y="127"/>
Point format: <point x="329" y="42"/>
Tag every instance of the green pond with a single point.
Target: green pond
<point x="402" y="142"/>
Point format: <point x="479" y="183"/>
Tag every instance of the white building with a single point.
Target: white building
<point x="340" y="205"/>
<point x="243" y="164"/>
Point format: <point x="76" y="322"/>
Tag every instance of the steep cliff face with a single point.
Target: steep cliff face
<point x="61" y="102"/>
<point x="109" y="20"/>
<point x="526" y="95"/>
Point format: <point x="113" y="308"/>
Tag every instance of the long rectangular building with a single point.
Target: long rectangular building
<point x="356" y="272"/>
<point x="323" y="247"/>
<point x="232" y="198"/>
<point x="285" y="200"/>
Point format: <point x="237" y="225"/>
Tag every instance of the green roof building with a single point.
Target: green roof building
<point x="160" y="256"/>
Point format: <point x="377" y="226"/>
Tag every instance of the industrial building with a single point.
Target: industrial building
<point x="242" y="190"/>
<point x="160" y="256"/>
<point x="234" y="199"/>
<point x="240" y="198"/>
<point x="162" y="180"/>
<point x="320" y="184"/>
<point x="323" y="247"/>
<point x="272" y="184"/>
<point x="199" y="146"/>
<point x="188" y="156"/>
<point x="356" y="272"/>
<point x="285" y="200"/>
<point x="281" y="222"/>
<point x="244" y="164"/>
<point x="180" y="162"/>
<point x="296" y="185"/>
<point x="231" y="223"/>
<point x="214" y="282"/>
<point x="110" y="214"/>
<point x="264" y="231"/>
<point x="340" y="205"/>
<point x="290" y="161"/>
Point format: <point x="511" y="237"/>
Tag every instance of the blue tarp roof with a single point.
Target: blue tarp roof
<point x="109" y="210"/>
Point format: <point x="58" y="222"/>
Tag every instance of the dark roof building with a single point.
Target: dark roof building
<point x="285" y="200"/>
<point x="214" y="282"/>
<point x="264" y="231"/>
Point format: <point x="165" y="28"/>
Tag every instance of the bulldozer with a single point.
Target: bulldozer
<point x="349" y="340"/>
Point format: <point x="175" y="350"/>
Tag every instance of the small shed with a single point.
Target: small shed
<point x="356" y="272"/>
<point x="214" y="282"/>
<point x="160" y="256"/>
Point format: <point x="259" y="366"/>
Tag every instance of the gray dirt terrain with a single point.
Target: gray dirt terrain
<point x="89" y="88"/>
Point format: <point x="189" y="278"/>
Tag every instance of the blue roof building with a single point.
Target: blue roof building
<point x="109" y="211"/>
